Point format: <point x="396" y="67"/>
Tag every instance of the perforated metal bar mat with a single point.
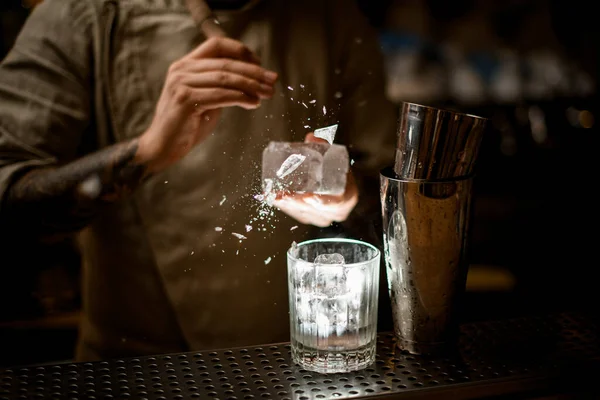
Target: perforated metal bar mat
<point x="493" y="358"/>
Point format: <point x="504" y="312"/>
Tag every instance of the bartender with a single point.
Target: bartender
<point x="124" y="126"/>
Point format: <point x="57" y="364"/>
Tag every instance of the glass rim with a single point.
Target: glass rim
<point x="376" y="255"/>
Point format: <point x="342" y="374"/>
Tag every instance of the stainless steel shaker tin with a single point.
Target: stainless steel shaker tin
<point x="425" y="231"/>
<point x="436" y="144"/>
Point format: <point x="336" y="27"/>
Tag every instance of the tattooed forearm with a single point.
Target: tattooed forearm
<point x="64" y="199"/>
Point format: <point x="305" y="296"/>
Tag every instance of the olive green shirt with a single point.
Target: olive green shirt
<point x="162" y="270"/>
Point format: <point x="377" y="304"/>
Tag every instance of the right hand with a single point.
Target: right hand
<point x="219" y="73"/>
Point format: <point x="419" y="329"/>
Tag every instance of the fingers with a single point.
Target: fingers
<point x="221" y="72"/>
<point x="302" y="213"/>
<point x="211" y="98"/>
<point x="316" y="209"/>
<point x="248" y="70"/>
<point x="227" y="80"/>
<point x="319" y="210"/>
<point x="337" y="209"/>
<point x="221" y="47"/>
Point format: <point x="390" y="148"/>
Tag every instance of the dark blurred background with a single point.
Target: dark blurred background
<point x="531" y="66"/>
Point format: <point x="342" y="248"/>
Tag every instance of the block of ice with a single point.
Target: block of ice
<point x="319" y="168"/>
<point x="333" y="258"/>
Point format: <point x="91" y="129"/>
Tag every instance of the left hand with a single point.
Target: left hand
<point x="318" y="209"/>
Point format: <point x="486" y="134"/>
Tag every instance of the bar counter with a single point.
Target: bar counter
<point x="550" y="356"/>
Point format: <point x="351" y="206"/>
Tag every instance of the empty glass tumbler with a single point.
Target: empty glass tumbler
<point x="333" y="295"/>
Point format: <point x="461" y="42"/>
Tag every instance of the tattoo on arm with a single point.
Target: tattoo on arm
<point x="64" y="199"/>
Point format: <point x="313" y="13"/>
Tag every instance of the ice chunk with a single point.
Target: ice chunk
<point x="322" y="301"/>
<point x="294" y="250"/>
<point x="268" y="196"/>
<point x="333" y="258"/>
<point x="239" y="235"/>
<point x="330" y="280"/>
<point x="323" y="168"/>
<point x="327" y="133"/>
<point x="290" y="164"/>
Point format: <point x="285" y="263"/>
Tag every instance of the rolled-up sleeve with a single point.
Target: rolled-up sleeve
<point x="45" y="90"/>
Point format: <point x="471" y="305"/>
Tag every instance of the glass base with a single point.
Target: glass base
<point x="334" y="361"/>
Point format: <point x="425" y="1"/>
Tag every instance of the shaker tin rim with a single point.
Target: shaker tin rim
<point x="444" y="110"/>
<point x="388" y="173"/>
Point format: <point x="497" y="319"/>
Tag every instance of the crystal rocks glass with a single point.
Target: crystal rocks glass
<point x="333" y="296"/>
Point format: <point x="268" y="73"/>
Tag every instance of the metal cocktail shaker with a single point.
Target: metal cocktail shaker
<point x="426" y="202"/>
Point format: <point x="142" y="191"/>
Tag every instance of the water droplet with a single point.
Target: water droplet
<point x="268" y="260"/>
<point x="218" y="229"/>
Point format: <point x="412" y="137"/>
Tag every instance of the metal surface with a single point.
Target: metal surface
<point x="425" y="236"/>
<point x="495" y="358"/>
<point x="436" y="144"/>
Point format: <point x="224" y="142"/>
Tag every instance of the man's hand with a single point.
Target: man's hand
<point x="319" y="210"/>
<point x="219" y="73"/>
